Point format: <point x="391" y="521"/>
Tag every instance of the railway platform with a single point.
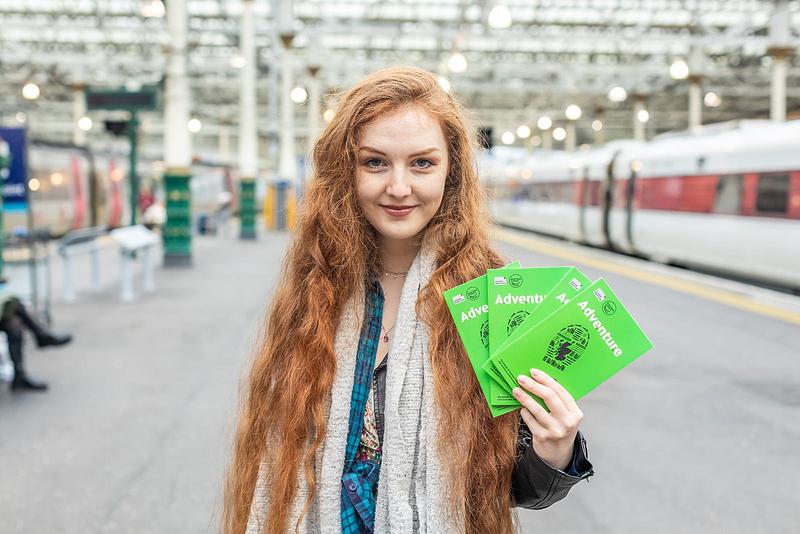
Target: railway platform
<point x="134" y="434"/>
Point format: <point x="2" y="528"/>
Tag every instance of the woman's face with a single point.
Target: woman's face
<point x="400" y="172"/>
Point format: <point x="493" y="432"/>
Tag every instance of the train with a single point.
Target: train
<point x="72" y="187"/>
<point x="725" y="199"/>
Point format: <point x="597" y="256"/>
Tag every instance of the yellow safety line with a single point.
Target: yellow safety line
<point x="692" y="288"/>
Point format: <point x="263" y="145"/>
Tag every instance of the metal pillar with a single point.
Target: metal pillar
<point x="569" y="142"/>
<point x="638" y="126"/>
<point x="133" y="137"/>
<point x="314" y="107"/>
<point x="78" y="112"/>
<point x="177" y="232"/>
<point x="777" y="100"/>
<point x="224" y="145"/>
<point x="287" y="168"/>
<point x="547" y="139"/>
<point x="781" y="52"/>
<point x="248" y="148"/>
<point x="695" y="103"/>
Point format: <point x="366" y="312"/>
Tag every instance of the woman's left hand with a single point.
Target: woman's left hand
<point x="553" y="433"/>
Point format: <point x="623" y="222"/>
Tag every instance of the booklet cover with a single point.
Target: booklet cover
<point x="582" y="344"/>
<point x="469" y="307"/>
<point x="570" y="284"/>
<point x="513" y="294"/>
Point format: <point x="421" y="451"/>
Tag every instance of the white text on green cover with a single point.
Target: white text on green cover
<point x="474" y="312"/>
<point x="605" y="335"/>
<point x="519" y="299"/>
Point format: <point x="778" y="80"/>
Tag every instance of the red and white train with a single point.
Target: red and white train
<point x="726" y="199"/>
<point x="71" y="187"/>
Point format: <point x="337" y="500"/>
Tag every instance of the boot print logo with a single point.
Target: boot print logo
<point x="515" y="320"/>
<point x="567" y="346"/>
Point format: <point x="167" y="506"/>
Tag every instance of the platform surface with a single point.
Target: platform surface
<point x="700" y="435"/>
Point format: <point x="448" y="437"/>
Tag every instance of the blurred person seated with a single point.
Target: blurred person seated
<point x="12" y="320"/>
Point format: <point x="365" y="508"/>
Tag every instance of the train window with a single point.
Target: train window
<point x="729" y="194"/>
<point x="773" y="193"/>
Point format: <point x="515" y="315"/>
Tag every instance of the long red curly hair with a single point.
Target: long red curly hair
<point x="333" y="249"/>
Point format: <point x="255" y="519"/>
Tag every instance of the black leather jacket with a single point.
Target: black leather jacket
<point x="534" y="483"/>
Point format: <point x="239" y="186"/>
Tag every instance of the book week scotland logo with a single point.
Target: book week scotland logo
<point x="567" y="346"/>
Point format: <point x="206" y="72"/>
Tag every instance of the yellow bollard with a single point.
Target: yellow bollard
<point x="290" y="208"/>
<point x="269" y="207"/>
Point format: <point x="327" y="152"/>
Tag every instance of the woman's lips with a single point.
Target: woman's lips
<point x="398" y="211"/>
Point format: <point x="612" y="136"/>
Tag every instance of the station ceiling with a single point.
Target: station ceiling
<point x="553" y="54"/>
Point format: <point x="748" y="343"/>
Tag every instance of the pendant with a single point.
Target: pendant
<point x="386" y="338"/>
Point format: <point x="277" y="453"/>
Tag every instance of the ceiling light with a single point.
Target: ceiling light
<point x="21" y="117"/>
<point x="573" y="112"/>
<point x="597" y="125"/>
<point x="500" y="17"/>
<point x="507" y="138"/>
<point x="237" y="62"/>
<point x="194" y="125"/>
<point x="457" y="63"/>
<point x="85" y="123"/>
<point x="712" y="99"/>
<point x="30" y="91"/>
<point x="328" y="115"/>
<point x="559" y="134"/>
<point x="523" y="132"/>
<point x="152" y="8"/>
<point x="298" y="95"/>
<point x="643" y="115"/>
<point x="34" y="184"/>
<point x="679" y="70"/>
<point x="617" y="94"/>
<point x="56" y="178"/>
<point x="544" y="123"/>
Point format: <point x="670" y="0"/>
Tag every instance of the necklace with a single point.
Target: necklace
<point x="386" y="332"/>
<point x="394" y="275"/>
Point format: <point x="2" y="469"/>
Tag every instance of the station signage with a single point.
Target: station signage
<point x="144" y="100"/>
<point x="14" y="169"/>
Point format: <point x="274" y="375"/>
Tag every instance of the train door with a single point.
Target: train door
<point x="79" y="181"/>
<point x="583" y="201"/>
<point x="630" y="192"/>
<point x="608" y="200"/>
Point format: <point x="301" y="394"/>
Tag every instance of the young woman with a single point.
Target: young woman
<point x="363" y="413"/>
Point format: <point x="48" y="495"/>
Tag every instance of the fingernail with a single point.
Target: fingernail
<point x="535" y="373"/>
<point x="517" y="392"/>
<point x="524" y="380"/>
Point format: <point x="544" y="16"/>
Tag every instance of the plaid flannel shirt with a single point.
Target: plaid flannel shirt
<point x="360" y="478"/>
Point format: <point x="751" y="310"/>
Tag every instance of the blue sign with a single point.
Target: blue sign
<point x="14" y="169"/>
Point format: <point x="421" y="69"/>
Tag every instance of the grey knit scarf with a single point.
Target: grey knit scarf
<point x="412" y="491"/>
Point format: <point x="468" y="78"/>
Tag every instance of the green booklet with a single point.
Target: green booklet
<point x="569" y="284"/>
<point x="581" y="344"/>
<point x="469" y="306"/>
<point x="513" y="294"/>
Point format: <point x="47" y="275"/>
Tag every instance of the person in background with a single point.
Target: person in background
<point x="13" y="320"/>
<point x="146" y="199"/>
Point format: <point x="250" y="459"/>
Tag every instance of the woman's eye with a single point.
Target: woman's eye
<point x="424" y="163"/>
<point x="373" y="163"/>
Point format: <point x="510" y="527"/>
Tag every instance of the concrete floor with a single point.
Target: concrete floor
<point x="699" y="435"/>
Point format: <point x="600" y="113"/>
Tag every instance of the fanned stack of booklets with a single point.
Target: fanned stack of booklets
<point x="513" y="319"/>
